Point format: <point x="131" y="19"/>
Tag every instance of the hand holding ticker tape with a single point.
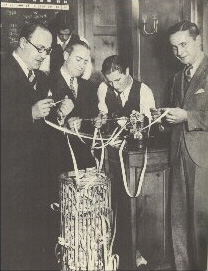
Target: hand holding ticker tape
<point x="112" y="139"/>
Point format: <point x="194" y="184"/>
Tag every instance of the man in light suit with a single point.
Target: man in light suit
<point x="189" y="149"/>
<point x="25" y="153"/>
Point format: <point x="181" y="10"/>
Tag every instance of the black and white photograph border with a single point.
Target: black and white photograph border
<point x="104" y="135"/>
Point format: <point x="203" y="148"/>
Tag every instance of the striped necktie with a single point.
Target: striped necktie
<point x="187" y="72"/>
<point x="71" y="86"/>
<point x="32" y="79"/>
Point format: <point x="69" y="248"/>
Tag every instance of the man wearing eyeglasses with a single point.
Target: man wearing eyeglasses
<point x="25" y="153"/>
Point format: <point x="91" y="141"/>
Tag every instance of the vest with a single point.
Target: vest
<point x="133" y="102"/>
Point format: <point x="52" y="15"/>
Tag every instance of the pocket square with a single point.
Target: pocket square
<point x="201" y="90"/>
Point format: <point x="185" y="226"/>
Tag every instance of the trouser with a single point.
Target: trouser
<point x="189" y="213"/>
<point x="27" y="236"/>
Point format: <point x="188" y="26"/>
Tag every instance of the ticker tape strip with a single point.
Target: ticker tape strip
<point x="35" y="6"/>
<point x="141" y="177"/>
<point x="112" y="139"/>
<point x="65" y="130"/>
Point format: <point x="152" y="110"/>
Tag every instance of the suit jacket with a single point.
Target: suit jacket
<point x="195" y="101"/>
<point x="25" y="150"/>
<point x="85" y="106"/>
<point x="24" y="172"/>
<point x="19" y="133"/>
<point x="86" y="103"/>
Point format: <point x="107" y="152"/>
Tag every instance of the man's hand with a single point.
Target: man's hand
<point x="74" y="122"/>
<point x="156" y="113"/>
<point x="122" y="121"/>
<point x="100" y="120"/>
<point x="176" y="115"/>
<point x="41" y="109"/>
<point x="66" y="107"/>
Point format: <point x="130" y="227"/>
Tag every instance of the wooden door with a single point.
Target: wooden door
<point x="97" y="22"/>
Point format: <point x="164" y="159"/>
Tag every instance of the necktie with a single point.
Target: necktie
<point x="119" y="100"/>
<point x="71" y="86"/>
<point x="63" y="46"/>
<point x="187" y="73"/>
<point x="32" y="79"/>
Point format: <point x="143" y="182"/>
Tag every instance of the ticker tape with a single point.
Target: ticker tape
<point x="35" y="6"/>
<point x="112" y="138"/>
<point x="142" y="174"/>
<point x="143" y="170"/>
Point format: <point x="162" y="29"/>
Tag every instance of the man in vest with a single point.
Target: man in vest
<point x="121" y="94"/>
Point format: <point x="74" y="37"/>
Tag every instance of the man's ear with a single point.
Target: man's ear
<point x="66" y="55"/>
<point x="127" y="71"/>
<point x="199" y="40"/>
<point x="22" y="42"/>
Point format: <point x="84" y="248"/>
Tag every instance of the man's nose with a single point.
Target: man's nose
<point x="113" y="84"/>
<point x="65" y="37"/>
<point x="82" y="64"/>
<point x="44" y="54"/>
<point x="180" y="51"/>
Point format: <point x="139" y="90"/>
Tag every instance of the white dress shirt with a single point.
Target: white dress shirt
<point x="147" y="100"/>
<point x="63" y="42"/>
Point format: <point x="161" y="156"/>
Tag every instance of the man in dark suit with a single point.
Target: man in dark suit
<point x="189" y="149"/>
<point x="83" y="93"/>
<point x="62" y="29"/>
<point x="25" y="152"/>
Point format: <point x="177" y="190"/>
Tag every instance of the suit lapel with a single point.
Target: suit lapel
<point x="62" y="83"/>
<point x="80" y="92"/>
<point x="179" y="88"/>
<point x="64" y="88"/>
<point x="197" y="78"/>
<point x="21" y="76"/>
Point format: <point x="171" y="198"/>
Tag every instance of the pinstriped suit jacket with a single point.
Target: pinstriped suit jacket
<point x="195" y="102"/>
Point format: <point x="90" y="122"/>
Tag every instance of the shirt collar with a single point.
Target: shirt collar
<point x="125" y="94"/>
<point x="61" y="42"/>
<point x="67" y="78"/>
<point x="21" y="63"/>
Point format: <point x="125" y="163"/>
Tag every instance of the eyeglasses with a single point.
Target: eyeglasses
<point x="42" y="49"/>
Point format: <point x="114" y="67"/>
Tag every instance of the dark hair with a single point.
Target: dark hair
<point x="113" y="63"/>
<point x="70" y="47"/>
<point x="29" y="28"/>
<point x="183" y="26"/>
<point x="64" y="20"/>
